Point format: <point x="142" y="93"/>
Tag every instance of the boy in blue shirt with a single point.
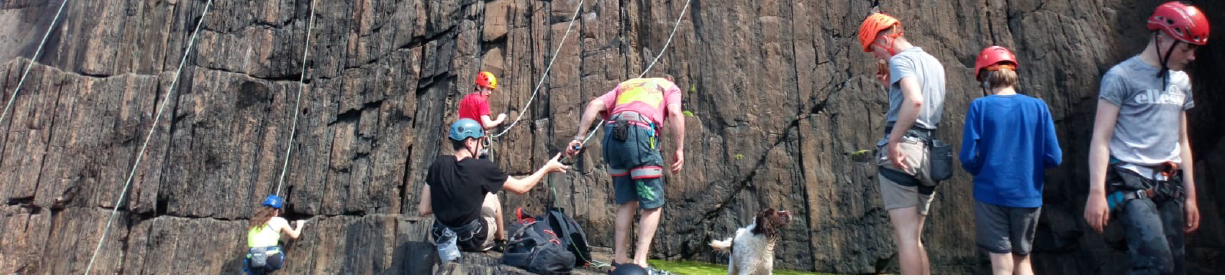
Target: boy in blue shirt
<point x="1008" y="140"/>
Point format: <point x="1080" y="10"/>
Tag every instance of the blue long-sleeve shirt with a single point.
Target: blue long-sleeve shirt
<point x="1007" y="143"/>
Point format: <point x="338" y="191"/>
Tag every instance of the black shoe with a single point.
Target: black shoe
<point x="499" y="246"/>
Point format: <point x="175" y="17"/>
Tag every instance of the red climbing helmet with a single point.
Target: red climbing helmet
<point x="991" y="56"/>
<point x="486" y="80"/>
<point x="1181" y="21"/>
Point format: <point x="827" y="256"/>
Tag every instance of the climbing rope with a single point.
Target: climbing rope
<point x="644" y="72"/>
<point x="165" y="101"/>
<point x="594" y="263"/>
<point x="301" y="83"/>
<point x="546" y="71"/>
<point x="32" y="60"/>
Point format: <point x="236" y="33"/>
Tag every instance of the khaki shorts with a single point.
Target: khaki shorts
<point x="898" y="195"/>
<point x="489" y="212"/>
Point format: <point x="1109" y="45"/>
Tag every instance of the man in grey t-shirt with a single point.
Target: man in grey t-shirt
<point x="929" y="74"/>
<point x="916" y="100"/>
<point x="1140" y="153"/>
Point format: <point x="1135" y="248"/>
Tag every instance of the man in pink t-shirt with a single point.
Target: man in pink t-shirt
<point x="634" y="113"/>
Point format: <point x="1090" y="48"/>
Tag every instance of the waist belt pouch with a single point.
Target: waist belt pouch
<point x="259" y="256"/>
<point x="941" y="160"/>
<point x="621" y="130"/>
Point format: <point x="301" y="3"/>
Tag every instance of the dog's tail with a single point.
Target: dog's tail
<point x="724" y="245"/>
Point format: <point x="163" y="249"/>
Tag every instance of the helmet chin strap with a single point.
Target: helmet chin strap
<point x="1164" y="59"/>
<point x="987" y="85"/>
<point x="889" y="47"/>
<point x="470" y="152"/>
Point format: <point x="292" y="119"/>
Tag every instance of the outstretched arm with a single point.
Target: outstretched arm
<point x="490" y="123"/>
<point x="295" y="232"/>
<point x="594" y="108"/>
<point x="525" y="184"/>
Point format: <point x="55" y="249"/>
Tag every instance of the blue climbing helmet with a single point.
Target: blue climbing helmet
<point x="466" y="128"/>
<point x="274" y="201"/>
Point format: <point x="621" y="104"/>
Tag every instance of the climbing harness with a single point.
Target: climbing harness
<point x="152" y="129"/>
<point x="1162" y="186"/>
<point x="32" y="60"/>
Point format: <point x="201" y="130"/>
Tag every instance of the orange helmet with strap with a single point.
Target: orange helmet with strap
<point x="992" y="58"/>
<point x="872" y="26"/>
<point x="486" y="80"/>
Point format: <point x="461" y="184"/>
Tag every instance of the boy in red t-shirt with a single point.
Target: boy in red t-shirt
<point x="475" y="106"/>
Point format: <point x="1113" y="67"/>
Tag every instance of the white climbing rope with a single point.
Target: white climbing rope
<point x="546" y="71"/>
<point x="165" y="101"/>
<point x="301" y="84"/>
<point x="644" y="72"/>
<point x="32" y="60"/>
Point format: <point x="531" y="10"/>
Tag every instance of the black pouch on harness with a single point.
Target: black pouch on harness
<point x="941" y="159"/>
<point x="621" y="130"/>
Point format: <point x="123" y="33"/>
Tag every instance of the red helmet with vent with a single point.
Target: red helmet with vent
<point x="1180" y="21"/>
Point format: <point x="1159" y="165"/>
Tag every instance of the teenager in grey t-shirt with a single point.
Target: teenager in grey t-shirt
<point x="914" y="62"/>
<point x="1142" y="134"/>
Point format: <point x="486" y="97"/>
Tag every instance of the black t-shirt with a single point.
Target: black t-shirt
<point x="458" y="188"/>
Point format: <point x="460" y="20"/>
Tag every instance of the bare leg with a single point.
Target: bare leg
<point x="907" y="225"/>
<point x="625" y="216"/>
<point x="1001" y="264"/>
<point x="497" y="217"/>
<point x="647" y="225"/>
<point x="1023" y="265"/>
<point x="927" y="266"/>
<point x="492" y="206"/>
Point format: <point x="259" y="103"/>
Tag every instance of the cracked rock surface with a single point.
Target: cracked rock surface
<point x="781" y="96"/>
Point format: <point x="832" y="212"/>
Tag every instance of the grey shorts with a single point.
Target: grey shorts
<point x="901" y="195"/>
<point x="1003" y="230"/>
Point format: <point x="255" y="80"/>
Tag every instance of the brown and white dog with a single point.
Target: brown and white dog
<point x="752" y="248"/>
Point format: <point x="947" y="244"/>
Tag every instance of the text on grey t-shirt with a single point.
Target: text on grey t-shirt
<point x="1146" y="129"/>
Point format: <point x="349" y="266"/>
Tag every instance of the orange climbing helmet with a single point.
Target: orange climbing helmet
<point x="486" y="80"/>
<point x="992" y="58"/>
<point x="1183" y="22"/>
<point x="873" y="25"/>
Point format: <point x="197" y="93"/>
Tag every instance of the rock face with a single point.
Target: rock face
<point x="780" y="96"/>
